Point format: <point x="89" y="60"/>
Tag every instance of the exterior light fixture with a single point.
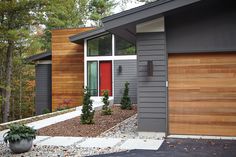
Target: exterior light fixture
<point x="120" y="69"/>
<point x="150" y="68"/>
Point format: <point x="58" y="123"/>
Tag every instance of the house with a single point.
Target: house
<point x="186" y="64"/>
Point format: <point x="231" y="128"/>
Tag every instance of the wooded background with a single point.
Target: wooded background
<point x="25" y="29"/>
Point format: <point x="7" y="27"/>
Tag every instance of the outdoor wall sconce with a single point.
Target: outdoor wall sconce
<point x="150" y="68"/>
<point x="120" y="69"/>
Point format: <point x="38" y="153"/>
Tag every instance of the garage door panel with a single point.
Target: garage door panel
<point x="226" y="106"/>
<point x="214" y="130"/>
<point x="226" y="120"/>
<point x="202" y="93"/>
<point x="187" y="76"/>
<point x="201" y="96"/>
<point x="201" y="58"/>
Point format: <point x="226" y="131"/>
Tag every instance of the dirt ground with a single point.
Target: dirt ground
<point x="73" y="127"/>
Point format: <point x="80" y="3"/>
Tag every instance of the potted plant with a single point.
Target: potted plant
<point x="20" y="138"/>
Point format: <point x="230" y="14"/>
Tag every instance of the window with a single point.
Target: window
<point x="123" y="47"/>
<point x="93" y="78"/>
<point x="100" y="46"/>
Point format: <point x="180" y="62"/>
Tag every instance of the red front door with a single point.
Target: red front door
<point x="105" y="77"/>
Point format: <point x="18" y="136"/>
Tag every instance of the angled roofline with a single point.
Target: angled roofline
<point x="37" y="57"/>
<point x="134" y="10"/>
<point x="78" y="38"/>
<point x="145" y="11"/>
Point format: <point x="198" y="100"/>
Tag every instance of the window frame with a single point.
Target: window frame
<point x="115" y="46"/>
<point x="98" y="52"/>
<point x="97" y="63"/>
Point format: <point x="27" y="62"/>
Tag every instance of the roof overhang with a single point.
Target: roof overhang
<point x="124" y="24"/>
<point x="39" y="57"/>
<point x="79" y="38"/>
<point x="143" y="12"/>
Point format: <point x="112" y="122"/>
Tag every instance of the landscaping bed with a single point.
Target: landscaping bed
<point x="73" y="127"/>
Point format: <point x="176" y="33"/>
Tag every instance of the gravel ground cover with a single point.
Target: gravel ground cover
<point x="55" y="151"/>
<point x="73" y="127"/>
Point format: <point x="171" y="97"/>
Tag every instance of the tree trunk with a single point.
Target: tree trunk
<point x="8" y="81"/>
<point x="20" y="95"/>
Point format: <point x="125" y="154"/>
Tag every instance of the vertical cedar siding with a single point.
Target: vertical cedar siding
<point x="43" y="99"/>
<point x="129" y="73"/>
<point x="152" y="91"/>
<point x="67" y="68"/>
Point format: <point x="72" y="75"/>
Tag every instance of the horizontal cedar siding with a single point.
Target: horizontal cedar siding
<point x="67" y="68"/>
<point x="152" y="91"/>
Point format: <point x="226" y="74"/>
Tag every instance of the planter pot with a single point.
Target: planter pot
<point x="21" y="146"/>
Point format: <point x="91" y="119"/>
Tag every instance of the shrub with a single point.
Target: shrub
<point x="19" y="132"/>
<point x="125" y="100"/>
<point x="65" y="105"/>
<point x="87" y="109"/>
<point x="45" y="111"/>
<point x="106" y="110"/>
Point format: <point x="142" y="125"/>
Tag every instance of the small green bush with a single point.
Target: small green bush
<point x="45" y="111"/>
<point x="125" y="100"/>
<point x="87" y="108"/>
<point x="106" y="110"/>
<point x="19" y="132"/>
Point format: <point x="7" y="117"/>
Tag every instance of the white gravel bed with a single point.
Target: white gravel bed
<point x="127" y="130"/>
<point x="54" y="151"/>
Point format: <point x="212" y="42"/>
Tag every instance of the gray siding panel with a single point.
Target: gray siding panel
<point x="151" y="124"/>
<point x="129" y="73"/>
<point x="210" y="30"/>
<point x="43" y="98"/>
<point x="152" y="91"/>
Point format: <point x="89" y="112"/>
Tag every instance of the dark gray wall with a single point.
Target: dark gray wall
<point x="129" y="73"/>
<point x="43" y="98"/>
<point x="152" y="91"/>
<point x="206" y="27"/>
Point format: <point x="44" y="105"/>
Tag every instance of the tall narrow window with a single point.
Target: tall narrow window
<point x="100" y="46"/>
<point x="93" y="78"/>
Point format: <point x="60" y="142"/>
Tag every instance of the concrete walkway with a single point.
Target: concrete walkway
<point x="84" y="142"/>
<point x="53" y="120"/>
<point x="56" y="119"/>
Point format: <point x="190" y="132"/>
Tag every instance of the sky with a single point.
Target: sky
<point x="131" y="4"/>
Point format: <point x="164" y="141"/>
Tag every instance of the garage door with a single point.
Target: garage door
<point x="202" y="94"/>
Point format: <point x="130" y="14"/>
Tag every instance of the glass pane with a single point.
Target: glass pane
<point x="100" y="46"/>
<point x="123" y="47"/>
<point x="93" y="78"/>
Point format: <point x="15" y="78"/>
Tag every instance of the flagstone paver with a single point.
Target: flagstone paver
<point x="60" y="141"/>
<point x="146" y="144"/>
<point x="99" y="142"/>
<point x="40" y="139"/>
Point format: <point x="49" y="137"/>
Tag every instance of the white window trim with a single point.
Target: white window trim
<point x="111" y="58"/>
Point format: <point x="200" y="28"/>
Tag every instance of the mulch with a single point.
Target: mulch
<point x="74" y="128"/>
